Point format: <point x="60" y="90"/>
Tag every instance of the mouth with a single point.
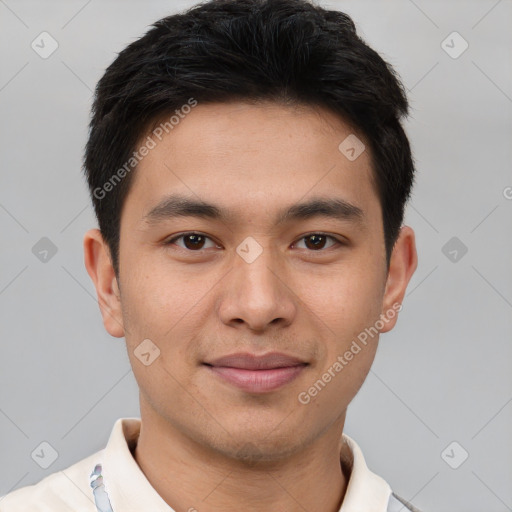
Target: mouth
<point x="257" y="374"/>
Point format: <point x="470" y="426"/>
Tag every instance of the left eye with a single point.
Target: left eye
<point x="196" y="241"/>
<point x="317" y="241"/>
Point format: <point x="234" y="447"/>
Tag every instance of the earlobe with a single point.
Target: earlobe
<point x="99" y="267"/>
<point x="403" y="263"/>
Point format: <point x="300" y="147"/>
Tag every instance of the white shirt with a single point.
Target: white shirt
<point x="123" y="487"/>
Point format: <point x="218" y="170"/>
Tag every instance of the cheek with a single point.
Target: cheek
<point x="349" y="301"/>
<point x="152" y="310"/>
<point x="335" y="384"/>
<point x="342" y="309"/>
<point x="153" y="300"/>
<point x="163" y="308"/>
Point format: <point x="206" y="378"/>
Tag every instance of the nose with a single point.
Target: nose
<point x="258" y="294"/>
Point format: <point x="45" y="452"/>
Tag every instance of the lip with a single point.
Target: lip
<point x="257" y="374"/>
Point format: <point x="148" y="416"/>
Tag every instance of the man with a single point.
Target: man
<point x="249" y="173"/>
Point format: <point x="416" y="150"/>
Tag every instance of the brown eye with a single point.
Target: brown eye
<point x="191" y="241"/>
<point x="317" y="241"/>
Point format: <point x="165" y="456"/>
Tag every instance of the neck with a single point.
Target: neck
<point x="191" y="477"/>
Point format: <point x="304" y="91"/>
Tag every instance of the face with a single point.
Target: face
<point x="253" y="274"/>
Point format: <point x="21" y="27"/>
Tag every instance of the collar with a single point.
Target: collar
<point x="365" y="490"/>
<point x="129" y="490"/>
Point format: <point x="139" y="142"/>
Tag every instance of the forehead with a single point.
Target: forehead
<point x="254" y="157"/>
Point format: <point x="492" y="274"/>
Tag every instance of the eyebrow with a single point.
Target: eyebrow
<point x="175" y="205"/>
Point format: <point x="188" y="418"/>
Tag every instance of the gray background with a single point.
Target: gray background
<point x="442" y="375"/>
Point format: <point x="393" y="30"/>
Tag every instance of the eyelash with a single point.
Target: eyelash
<point x="182" y="235"/>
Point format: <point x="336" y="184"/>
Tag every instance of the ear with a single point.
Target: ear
<point x="402" y="265"/>
<point x="99" y="266"/>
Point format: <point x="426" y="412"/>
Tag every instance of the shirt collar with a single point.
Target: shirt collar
<point x="125" y="483"/>
<point x="129" y="490"/>
<point x="365" y="490"/>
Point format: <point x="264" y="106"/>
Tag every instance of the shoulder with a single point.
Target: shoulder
<point x="67" y="490"/>
<point x="398" y="504"/>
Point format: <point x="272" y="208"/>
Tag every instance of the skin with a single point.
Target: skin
<point x="204" y="443"/>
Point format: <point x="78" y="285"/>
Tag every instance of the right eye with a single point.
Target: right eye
<point x="192" y="241"/>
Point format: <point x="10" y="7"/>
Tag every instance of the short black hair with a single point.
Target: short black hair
<point x="285" y="51"/>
